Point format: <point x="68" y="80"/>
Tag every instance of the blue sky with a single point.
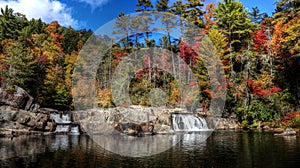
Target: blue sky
<point x="91" y="14"/>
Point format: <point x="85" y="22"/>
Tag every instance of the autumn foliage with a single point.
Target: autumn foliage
<point x="258" y="89"/>
<point x="259" y="56"/>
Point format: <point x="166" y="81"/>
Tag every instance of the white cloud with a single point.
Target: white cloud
<point x="47" y="10"/>
<point x="94" y="3"/>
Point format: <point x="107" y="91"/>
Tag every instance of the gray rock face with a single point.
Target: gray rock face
<point x="18" y="98"/>
<point x="161" y="128"/>
<point x="9" y="114"/>
<point x="19" y="114"/>
<point x="36" y="121"/>
<point x="15" y="121"/>
<point x="23" y="117"/>
<point x="227" y="123"/>
<point x="150" y="119"/>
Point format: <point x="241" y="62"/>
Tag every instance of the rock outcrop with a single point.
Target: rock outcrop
<point x="228" y="123"/>
<point x="17" y="98"/>
<point x="131" y="120"/>
<point x="20" y="121"/>
<point x="287" y="132"/>
<point x="136" y="120"/>
<point x="15" y="122"/>
<point x="20" y="115"/>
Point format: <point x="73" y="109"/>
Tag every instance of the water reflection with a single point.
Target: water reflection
<point x="195" y="140"/>
<point x="21" y="146"/>
<point x="137" y="146"/>
<point x="62" y="142"/>
<point x="221" y="149"/>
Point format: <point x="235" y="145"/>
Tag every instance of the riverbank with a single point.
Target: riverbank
<point x="15" y="122"/>
<point x="19" y="115"/>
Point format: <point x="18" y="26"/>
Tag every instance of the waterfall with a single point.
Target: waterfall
<point x="74" y="130"/>
<point x="64" y="123"/>
<point x="62" y="128"/>
<point x="188" y="122"/>
<point x="61" y="118"/>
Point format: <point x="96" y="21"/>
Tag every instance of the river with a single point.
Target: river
<point x="221" y="149"/>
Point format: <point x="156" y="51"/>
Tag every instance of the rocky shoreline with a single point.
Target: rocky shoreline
<point x="20" y="116"/>
<point x="15" y="121"/>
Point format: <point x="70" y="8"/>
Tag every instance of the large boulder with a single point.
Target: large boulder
<point x="36" y="121"/>
<point x="16" y="97"/>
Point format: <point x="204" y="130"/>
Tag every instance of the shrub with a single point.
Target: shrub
<point x="292" y="119"/>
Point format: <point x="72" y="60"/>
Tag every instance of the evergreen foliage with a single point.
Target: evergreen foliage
<point x="260" y="55"/>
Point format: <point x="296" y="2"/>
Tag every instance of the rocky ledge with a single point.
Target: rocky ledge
<point x="19" y="115"/>
<point x="287" y="132"/>
<point x="132" y="120"/>
<point x="14" y="121"/>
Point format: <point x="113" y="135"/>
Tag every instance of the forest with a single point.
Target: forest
<point x="260" y="55"/>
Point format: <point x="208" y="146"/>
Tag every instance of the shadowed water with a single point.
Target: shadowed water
<point x="221" y="149"/>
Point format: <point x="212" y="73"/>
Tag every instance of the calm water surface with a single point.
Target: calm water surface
<point x="221" y="149"/>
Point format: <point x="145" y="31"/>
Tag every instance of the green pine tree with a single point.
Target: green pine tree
<point x="144" y="5"/>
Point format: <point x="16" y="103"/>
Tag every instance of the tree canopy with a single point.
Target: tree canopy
<point x="260" y="56"/>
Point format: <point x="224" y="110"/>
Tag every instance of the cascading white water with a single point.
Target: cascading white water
<point x="64" y="118"/>
<point x="74" y="130"/>
<point x="188" y="122"/>
<point x="62" y="128"/>
<point x="64" y="123"/>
